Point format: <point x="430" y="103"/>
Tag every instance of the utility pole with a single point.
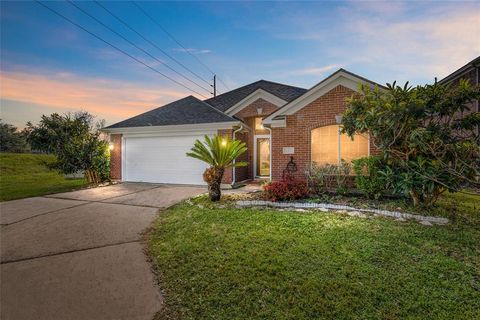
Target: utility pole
<point x="214" y="85"/>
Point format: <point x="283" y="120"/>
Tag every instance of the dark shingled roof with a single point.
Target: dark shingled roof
<point x="227" y="100"/>
<point x="189" y="110"/>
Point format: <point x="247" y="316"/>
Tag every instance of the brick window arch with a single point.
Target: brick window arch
<point x="329" y="146"/>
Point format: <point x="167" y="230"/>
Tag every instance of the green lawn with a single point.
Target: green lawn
<point x="226" y="263"/>
<point x="27" y="175"/>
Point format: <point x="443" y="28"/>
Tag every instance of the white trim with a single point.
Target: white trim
<point x="255" y="137"/>
<point x="175" y="128"/>
<point x="251" y="98"/>
<point x="340" y="77"/>
<point x="276" y="123"/>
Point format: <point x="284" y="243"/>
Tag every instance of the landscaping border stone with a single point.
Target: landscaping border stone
<point x="306" y="205"/>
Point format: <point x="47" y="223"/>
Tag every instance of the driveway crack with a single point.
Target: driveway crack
<point x="68" y="252"/>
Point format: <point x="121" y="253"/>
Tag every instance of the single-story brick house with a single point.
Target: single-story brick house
<point x="277" y="121"/>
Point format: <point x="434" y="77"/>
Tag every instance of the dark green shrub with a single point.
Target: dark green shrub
<point x="76" y="142"/>
<point x="368" y="178"/>
<point x="428" y="135"/>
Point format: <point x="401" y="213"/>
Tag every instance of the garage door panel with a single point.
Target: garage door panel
<point x="162" y="160"/>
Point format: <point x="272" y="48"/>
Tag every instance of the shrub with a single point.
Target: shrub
<point x="286" y="189"/>
<point x="76" y="142"/>
<point x="428" y="140"/>
<point x="11" y="140"/>
<point x="321" y="178"/>
<point x="318" y="178"/>
<point x="342" y="172"/>
<point x="368" y="177"/>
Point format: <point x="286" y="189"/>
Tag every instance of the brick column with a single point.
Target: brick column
<point x="116" y="157"/>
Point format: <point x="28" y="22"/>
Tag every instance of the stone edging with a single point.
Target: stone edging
<point x="301" y="205"/>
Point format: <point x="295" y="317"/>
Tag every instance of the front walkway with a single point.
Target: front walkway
<point x="77" y="255"/>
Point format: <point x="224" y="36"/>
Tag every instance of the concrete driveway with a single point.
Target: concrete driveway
<point x="77" y="255"/>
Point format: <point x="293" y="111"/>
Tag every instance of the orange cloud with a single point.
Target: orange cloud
<point x="105" y="98"/>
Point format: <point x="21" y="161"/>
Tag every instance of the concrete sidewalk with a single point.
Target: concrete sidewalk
<point x="77" y="255"/>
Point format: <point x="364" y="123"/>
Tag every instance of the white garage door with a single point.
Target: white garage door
<point x="162" y="160"/>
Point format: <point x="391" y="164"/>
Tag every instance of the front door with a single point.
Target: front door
<point x="262" y="160"/>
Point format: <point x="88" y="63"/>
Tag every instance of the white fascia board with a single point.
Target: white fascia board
<point x="277" y="123"/>
<point x="254" y="96"/>
<point x="340" y="78"/>
<point x="182" y="128"/>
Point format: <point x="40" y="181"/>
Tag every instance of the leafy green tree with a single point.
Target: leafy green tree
<point x="220" y="153"/>
<point x="11" y="140"/>
<point x="75" y="140"/>
<point x="427" y="136"/>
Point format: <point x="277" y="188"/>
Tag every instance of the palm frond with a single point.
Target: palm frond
<point x="219" y="151"/>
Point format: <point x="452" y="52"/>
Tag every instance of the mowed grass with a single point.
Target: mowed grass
<point x="227" y="263"/>
<point x="27" y="175"/>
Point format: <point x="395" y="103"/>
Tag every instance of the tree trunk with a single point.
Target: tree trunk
<point x="214" y="190"/>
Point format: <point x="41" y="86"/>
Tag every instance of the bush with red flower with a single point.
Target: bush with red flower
<point x="288" y="188"/>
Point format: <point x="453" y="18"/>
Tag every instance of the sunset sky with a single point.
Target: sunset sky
<point x="49" y="65"/>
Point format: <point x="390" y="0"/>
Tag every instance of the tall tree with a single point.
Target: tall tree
<point x="11" y="140"/>
<point x="75" y="140"/>
<point x="427" y="135"/>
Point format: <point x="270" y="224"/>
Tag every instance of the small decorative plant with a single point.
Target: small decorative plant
<point x="220" y="153"/>
<point x="286" y="189"/>
<point x="323" y="178"/>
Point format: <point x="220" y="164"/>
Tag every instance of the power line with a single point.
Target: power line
<point x="178" y="42"/>
<point x="116" y="48"/>
<point x="171" y="36"/>
<point x="136" y="46"/>
<point x="150" y="42"/>
<point x="221" y="81"/>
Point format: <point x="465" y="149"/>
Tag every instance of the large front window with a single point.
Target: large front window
<point x="329" y="146"/>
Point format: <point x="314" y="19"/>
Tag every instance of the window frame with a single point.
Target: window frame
<point x="339" y="147"/>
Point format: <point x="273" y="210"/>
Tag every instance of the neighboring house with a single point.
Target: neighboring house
<point x="470" y="72"/>
<point x="278" y="122"/>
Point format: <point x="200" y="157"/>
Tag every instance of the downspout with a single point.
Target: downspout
<point x="270" y="130"/>
<point x="233" y="169"/>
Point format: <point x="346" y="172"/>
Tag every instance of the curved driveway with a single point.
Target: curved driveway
<point x="77" y="255"/>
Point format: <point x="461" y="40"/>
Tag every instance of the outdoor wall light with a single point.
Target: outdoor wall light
<point x="224" y="143"/>
<point x="259" y="110"/>
<point x="110" y="146"/>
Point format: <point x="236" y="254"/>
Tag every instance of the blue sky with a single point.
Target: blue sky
<point x="48" y="65"/>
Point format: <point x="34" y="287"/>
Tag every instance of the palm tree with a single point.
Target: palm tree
<point x="220" y="153"/>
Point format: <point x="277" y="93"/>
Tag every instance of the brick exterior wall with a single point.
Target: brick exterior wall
<point x="242" y="173"/>
<point x="227" y="176"/>
<point x="247" y="115"/>
<point x="318" y="113"/>
<point x="251" y="110"/>
<point x="116" y="157"/>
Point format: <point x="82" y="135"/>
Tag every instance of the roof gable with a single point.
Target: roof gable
<point x="229" y="99"/>
<point x="341" y="77"/>
<point x="251" y="98"/>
